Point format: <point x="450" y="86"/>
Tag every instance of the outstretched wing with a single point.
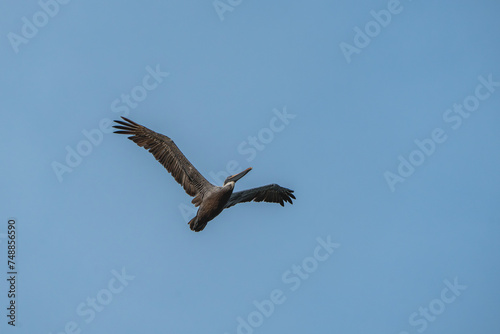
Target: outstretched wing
<point x="271" y="193"/>
<point x="168" y="154"/>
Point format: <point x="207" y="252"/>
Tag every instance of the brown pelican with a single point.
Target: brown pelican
<point x="211" y="199"/>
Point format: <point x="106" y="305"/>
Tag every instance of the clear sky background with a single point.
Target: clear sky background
<point x="102" y="240"/>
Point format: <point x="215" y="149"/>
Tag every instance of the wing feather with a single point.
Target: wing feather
<point x="167" y="153"/>
<point x="271" y="193"/>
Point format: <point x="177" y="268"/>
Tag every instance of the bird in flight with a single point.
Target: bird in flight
<point x="210" y="199"/>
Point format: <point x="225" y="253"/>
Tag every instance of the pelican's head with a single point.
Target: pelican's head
<point x="233" y="178"/>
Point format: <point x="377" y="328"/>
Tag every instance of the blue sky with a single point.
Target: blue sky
<point x="381" y="115"/>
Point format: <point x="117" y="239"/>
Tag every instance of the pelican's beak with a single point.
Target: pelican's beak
<point x="238" y="176"/>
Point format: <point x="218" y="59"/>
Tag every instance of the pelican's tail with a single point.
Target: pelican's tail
<point x="197" y="225"/>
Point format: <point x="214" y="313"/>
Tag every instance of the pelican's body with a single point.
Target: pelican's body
<point x="212" y="205"/>
<point x="210" y="199"/>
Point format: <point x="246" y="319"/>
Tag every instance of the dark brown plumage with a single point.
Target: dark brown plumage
<point x="271" y="193"/>
<point x="211" y="199"/>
